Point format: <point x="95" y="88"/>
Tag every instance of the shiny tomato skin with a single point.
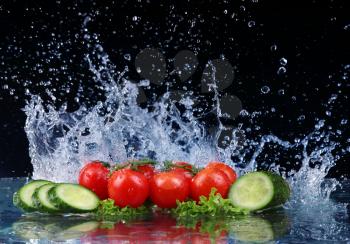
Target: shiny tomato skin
<point x="231" y="174"/>
<point x="147" y="170"/>
<point x="183" y="168"/>
<point x="94" y="176"/>
<point x="185" y="165"/>
<point x="207" y="179"/>
<point x="128" y="188"/>
<point x="167" y="187"/>
<point x="183" y="172"/>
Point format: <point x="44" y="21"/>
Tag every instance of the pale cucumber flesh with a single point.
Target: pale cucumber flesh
<point x="43" y="198"/>
<point x="259" y="190"/>
<point x="74" y="197"/>
<point x="24" y="197"/>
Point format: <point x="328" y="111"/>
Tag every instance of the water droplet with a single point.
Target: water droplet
<point x="225" y="11"/>
<point x="283" y="61"/>
<point x="127" y="56"/>
<point x="251" y="24"/>
<point x="144" y="83"/>
<point x="281" y="92"/>
<point x="301" y="117"/>
<point x="244" y="113"/>
<point x="135" y="18"/>
<point x="281" y="70"/>
<point x="265" y="89"/>
<point x="319" y="125"/>
<point x="273" y="48"/>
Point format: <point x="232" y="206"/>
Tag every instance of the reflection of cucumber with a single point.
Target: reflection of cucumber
<point x="23" y="198"/>
<point x="252" y="230"/>
<point x="260" y="229"/>
<point x="30" y="230"/>
<point x="259" y="190"/>
<point x="53" y="228"/>
<point x="73" y="198"/>
<point x="76" y="231"/>
<point x="41" y="200"/>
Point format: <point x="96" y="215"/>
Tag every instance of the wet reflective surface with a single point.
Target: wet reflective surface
<point x="279" y="225"/>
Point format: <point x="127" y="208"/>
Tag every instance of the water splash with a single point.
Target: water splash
<point x="61" y="142"/>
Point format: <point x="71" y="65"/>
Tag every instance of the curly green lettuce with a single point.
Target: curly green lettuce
<point x="107" y="210"/>
<point x="214" y="205"/>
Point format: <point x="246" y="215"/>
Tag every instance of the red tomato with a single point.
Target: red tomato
<point x="183" y="168"/>
<point x="128" y="188"/>
<point x="207" y="179"/>
<point x="167" y="187"/>
<point x="147" y="170"/>
<point x="231" y="174"/>
<point x="94" y="176"/>
<point x="184" y="165"/>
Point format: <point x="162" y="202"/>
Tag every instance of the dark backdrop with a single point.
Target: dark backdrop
<point x="253" y="35"/>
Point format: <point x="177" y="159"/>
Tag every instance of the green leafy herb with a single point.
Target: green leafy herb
<point x="108" y="211"/>
<point x="215" y="205"/>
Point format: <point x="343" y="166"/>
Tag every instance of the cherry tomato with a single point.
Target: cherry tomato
<point x="167" y="187"/>
<point x="231" y="174"/>
<point x="128" y="188"/>
<point x="183" y="168"/>
<point x="184" y="165"/>
<point x="207" y="179"/>
<point x="147" y="170"/>
<point x="94" y="176"/>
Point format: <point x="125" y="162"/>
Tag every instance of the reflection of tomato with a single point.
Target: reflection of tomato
<point x="96" y="236"/>
<point x="231" y="174"/>
<point x="94" y="176"/>
<point x="128" y="188"/>
<point x="207" y="179"/>
<point x="204" y="238"/>
<point x="167" y="187"/>
<point x="162" y="229"/>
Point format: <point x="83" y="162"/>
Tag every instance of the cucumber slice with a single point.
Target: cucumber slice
<point x="41" y="199"/>
<point x="73" y="198"/>
<point x="23" y="198"/>
<point x="259" y="190"/>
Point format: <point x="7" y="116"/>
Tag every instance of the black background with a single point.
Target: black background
<point x="312" y="35"/>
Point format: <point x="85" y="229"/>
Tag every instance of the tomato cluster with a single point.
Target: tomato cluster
<point x="132" y="183"/>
